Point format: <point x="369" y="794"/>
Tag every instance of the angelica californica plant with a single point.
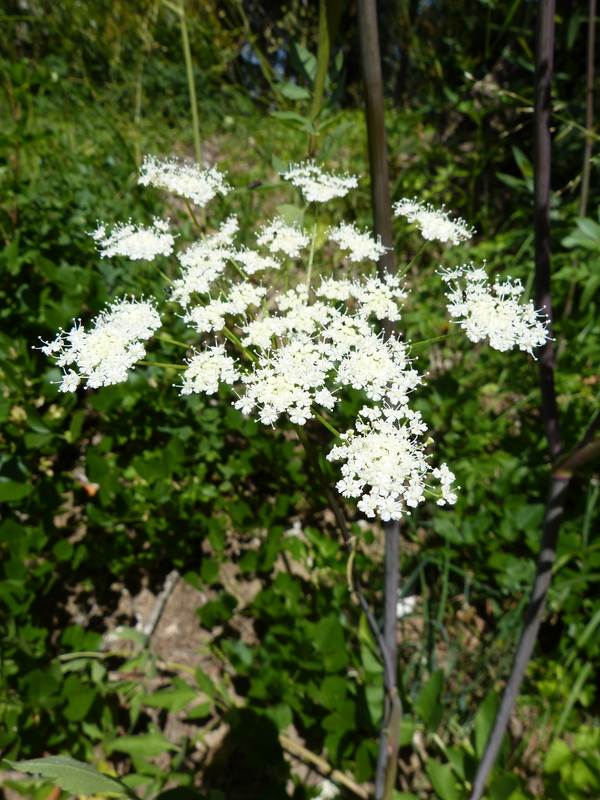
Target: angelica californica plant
<point x="293" y="351"/>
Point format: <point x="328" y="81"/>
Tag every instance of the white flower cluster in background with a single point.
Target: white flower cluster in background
<point x="294" y="351"/>
<point x="135" y="241"/>
<point x="318" y="186"/>
<point x="186" y="180"/>
<point x="105" y="354"/>
<point x="360" y="245"/>
<point x="493" y="312"/>
<point x="434" y="224"/>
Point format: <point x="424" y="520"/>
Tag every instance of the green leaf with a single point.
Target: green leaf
<point x="291" y="215"/>
<point x="442" y="779"/>
<point x="293" y="91"/>
<point x="205" y="684"/>
<point x="173" y="699"/>
<point x="79" y="698"/>
<point x="484" y="722"/>
<point x="503" y="787"/>
<point x="429" y="701"/>
<point x="304" y="61"/>
<point x="13" y="490"/>
<point x="278" y="165"/>
<point x="557" y="755"/>
<point x="146" y="745"/>
<point x="73" y="776"/>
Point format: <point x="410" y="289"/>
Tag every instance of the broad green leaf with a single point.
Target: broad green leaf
<point x="79" y="698"/>
<point x="503" y="787"/>
<point x="429" y="702"/>
<point x="442" y="779"/>
<point x="558" y="754"/>
<point x="13" y="490"/>
<point x="73" y="776"/>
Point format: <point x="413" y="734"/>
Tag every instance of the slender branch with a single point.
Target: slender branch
<point x="535" y="612"/>
<point x="299" y="751"/>
<point x="541" y="163"/>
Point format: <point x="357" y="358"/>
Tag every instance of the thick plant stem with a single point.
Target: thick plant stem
<point x="589" y="114"/>
<point x="387" y="760"/>
<point x="375" y="113"/>
<point x="559" y="481"/>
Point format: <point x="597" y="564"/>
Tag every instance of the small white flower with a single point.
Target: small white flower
<point x="405" y="606"/>
<point x="252" y="262"/>
<point x="207" y="369"/>
<point x="361" y="245"/>
<point x="105" y="354"/>
<point x="135" y="241"/>
<point x="434" y="224"/>
<point x="317" y="185"/>
<point x="278" y="236"/>
<point x="186" y="180"/>
<point x="493" y="312"/>
<point x="328" y="790"/>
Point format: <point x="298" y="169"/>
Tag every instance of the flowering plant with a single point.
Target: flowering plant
<point x="288" y="342"/>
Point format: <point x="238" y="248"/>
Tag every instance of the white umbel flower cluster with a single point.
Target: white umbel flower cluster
<point x="385" y="462"/>
<point x="318" y="186"/>
<point x="493" y="311"/>
<point x="105" y="354"/>
<point x="434" y="224"/>
<point x="135" y="241"/>
<point x="300" y="348"/>
<point x="207" y="369"/>
<point x="186" y="180"/>
<point x="279" y="237"/>
<point x="360" y="245"/>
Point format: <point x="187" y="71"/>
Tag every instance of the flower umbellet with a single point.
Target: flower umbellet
<point x="293" y="350"/>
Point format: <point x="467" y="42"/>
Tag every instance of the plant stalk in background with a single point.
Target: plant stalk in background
<point x="589" y="114"/>
<point x="588" y="447"/>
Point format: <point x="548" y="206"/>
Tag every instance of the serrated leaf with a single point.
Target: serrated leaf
<point x="73" y="776"/>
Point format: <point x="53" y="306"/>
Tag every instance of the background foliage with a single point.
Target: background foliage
<point x="115" y="488"/>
